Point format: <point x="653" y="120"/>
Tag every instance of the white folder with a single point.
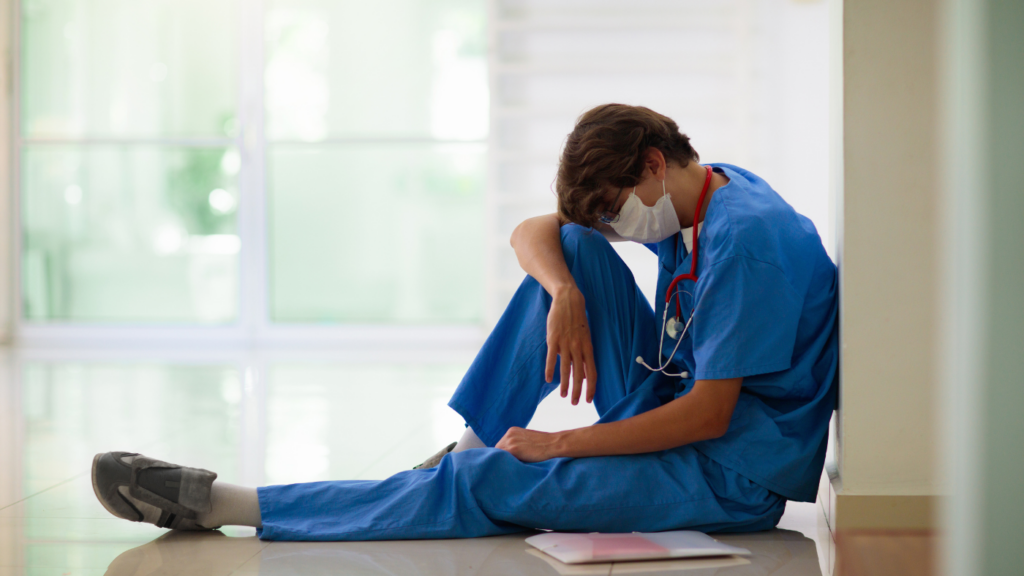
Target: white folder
<point x="600" y="547"/>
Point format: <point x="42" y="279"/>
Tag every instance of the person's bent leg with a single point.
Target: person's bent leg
<point x="505" y="382"/>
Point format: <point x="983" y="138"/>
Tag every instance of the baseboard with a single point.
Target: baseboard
<point x="873" y="512"/>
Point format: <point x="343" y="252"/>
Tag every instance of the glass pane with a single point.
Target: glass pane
<point x="382" y="233"/>
<point x="130" y="234"/>
<point x="382" y="68"/>
<point x="105" y="68"/>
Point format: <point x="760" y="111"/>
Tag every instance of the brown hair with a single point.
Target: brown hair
<point x="606" y="149"/>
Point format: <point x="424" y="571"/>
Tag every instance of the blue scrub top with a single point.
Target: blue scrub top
<point x="765" y="311"/>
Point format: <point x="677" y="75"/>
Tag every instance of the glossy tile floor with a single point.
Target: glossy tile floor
<point x="270" y="418"/>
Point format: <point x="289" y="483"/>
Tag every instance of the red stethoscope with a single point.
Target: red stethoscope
<point x="672" y="327"/>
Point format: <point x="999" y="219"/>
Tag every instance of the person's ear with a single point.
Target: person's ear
<point x="655" y="162"/>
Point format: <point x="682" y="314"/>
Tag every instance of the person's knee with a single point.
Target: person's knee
<point x="579" y="241"/>
<point x="574" y="233"/>
<point x="485" y="461"/>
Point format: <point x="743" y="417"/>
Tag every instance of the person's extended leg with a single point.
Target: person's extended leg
<point x="489" y="492"/>
<point x="472" y="493"/>
<point x="505" y="382"/>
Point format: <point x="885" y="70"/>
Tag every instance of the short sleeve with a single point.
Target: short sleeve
<point x="746" y="320"/>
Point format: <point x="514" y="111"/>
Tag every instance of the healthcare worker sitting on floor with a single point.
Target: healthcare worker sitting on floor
<point x="714" y="407"/>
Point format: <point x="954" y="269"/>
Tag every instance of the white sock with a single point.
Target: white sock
<point x="468" y="441"/>
<point x="232" y="505"/>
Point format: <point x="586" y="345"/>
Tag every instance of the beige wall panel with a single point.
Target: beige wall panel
<point x="890" y="249"/>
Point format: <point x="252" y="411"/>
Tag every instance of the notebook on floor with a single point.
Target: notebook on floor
<point x="600" y="547"/>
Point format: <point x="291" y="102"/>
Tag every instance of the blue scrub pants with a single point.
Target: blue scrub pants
<point x="486" y="491"/>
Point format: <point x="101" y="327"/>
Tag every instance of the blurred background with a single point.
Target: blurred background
<point x="235" y="163"/>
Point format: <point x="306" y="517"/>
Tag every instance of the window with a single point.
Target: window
<point x="129" y="161"/>
<point x="233" y="163"/>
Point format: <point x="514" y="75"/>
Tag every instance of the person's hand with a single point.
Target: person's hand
<point x="569" y="337"/>
<point x="529" y="445"/>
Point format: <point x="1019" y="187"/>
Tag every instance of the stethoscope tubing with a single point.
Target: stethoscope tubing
<point x="693" y="253"/>
<point x="671" y="290"/>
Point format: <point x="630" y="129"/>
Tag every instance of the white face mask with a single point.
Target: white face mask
<point x="647" y="224"/>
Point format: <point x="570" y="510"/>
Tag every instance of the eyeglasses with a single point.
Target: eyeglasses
<point x="609" y="217"/>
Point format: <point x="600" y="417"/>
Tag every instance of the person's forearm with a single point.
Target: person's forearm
<point x="538" y="245"/>
<point x="700" y="415"/>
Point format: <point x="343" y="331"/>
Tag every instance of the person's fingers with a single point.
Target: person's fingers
<point x="564" y="365"/>
<point x="591" y="367"/>
<point x="578" y="371"/>
<point x="549" y="363"/>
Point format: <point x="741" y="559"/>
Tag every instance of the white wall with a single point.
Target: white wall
<point x="890" y="249"/>
<point x="747" y="80"/>
<point x="793" y="97"/>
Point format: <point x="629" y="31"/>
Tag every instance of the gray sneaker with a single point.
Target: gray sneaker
<point x="141" y="489"/>
<point x="436" y="458"/>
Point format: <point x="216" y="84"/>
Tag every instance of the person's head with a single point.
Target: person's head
<point x="606" y="152"/>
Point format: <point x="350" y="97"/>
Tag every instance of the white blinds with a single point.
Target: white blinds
<point x="746" y="80"/>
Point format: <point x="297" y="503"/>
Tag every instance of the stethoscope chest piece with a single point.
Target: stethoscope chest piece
<point x="674" y="328"/>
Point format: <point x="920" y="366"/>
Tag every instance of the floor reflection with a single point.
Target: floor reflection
<point x="773" y="552"/>
<point x="186" y="553"/>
